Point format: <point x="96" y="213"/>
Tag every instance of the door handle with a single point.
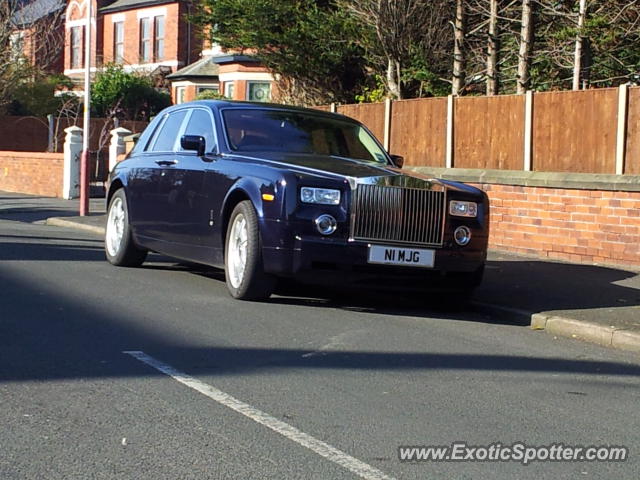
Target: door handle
<point x="166" y="163"/>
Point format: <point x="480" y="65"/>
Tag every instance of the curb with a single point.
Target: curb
<point x="586" y="331"/>
<point x="61" y="222"/>
<point x="590" y="332"/>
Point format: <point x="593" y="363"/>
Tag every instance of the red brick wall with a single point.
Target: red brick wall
<point x="565" y="224"/>
<point x="32" y="173"/>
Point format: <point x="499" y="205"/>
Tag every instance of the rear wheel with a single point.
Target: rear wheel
<point x="246" y="279"/>
<point x="118" y="242"/>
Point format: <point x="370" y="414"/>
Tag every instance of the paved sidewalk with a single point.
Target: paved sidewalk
<point x="599" y="304"/>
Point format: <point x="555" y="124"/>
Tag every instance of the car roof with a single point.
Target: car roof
<point x="220" y="104"/>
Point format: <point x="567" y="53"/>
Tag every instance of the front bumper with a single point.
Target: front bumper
<point x="329" y="261"/>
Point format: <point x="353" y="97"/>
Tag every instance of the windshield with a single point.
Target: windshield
<point x="253" y="130"/>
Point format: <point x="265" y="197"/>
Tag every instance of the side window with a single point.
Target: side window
<point x="165" y="140"/>
<point x="200" y="124"/>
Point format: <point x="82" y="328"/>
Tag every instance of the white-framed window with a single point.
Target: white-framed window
<point x="16" y="41"/>
<point x="158" y="38"/>
<point x="118" y="42"/>
<point x="145" y="40"/>
<point x="229" y="89"/>
<point x="259" y="91"/>
<point x="207" y="88"/>
<point x="180" y="94"/>
<point x="77" y="34"/>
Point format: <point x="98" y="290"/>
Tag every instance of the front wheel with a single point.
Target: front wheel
<point x="118" y="242"/>
<point x="246" y="279"/>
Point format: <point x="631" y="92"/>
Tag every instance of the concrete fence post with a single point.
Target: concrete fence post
<point x="387" y="123"/>
<point x="51" y="130"/>
<point x="450" y="146"/>
<point x="528" y="131"/>
<point x="621" y="135"/>
<point x="117" y="146"/>
<point x="71" y="170"/>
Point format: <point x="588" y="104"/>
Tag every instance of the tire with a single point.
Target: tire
<point x="245" y="276"/>
<point x="119" y="247"/>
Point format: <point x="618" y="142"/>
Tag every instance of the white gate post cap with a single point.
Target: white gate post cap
<point x="73" y="132"/>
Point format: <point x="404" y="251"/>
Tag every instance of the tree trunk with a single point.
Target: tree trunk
<point x="524" y="55"/>
<point x="492" y="50"/>
<point x="577" y="62"/>
<point x="393" y="79"/>
<point x="458" y="49"/>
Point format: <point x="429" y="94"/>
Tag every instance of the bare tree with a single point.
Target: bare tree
<point x="577" y="63"/>
<point x="401" y="27"/>
<point x="492" y="50"/>
<point x="67" y="115"/>
<point x="581" y="43"/>
<point x="46" y="37"/>
<point x="31" y="38"/>
<point x="8" y="52"/>
<point x="526" y="40"/>
<point x="459" y="33"/>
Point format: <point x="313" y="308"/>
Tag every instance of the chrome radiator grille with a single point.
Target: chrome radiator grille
<point x="397" y="215"/>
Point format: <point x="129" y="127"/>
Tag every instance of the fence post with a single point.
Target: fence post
<point x="332" y="107"/>
<point x="621" y="141"/>
<point x="528" y="130"/>
<point x="387" y="123"/>
<point x="51" y="130"/>
<point x="450" y="133"/>
<point x="117" y="145"/>
<point x="71" y="169"/>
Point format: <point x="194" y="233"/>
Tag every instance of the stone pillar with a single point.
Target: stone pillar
<point x="117" y="146"/>
<point x="72" y="152"/>
<point x="131" y="141"/>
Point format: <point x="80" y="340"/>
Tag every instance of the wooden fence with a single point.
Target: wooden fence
<point x="589" y="131"/>
<point x="31" y="134"/>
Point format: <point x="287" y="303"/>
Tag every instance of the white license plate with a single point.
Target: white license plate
<point x="408" y="257"/>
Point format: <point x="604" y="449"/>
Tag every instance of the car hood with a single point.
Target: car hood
<point x="351" y="170"/>
<point x="355" y="172"/>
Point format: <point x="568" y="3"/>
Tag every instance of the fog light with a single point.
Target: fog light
<point x="462" y="235"/>
<point x="326" y="224"/>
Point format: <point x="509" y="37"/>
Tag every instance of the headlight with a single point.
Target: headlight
<point x="463" y="209"/>
<point x="323" y="196"/>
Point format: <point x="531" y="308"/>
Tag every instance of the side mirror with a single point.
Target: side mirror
<point x="398" y="160"/>
<point x="194" y="142"/>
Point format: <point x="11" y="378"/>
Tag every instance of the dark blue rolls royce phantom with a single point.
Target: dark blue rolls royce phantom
<point x="271" y="191"/>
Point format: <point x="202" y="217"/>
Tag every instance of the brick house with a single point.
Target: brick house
<point x="38" y="34"/>
<point x="236" y="76"/>
<point x="154" y="37"/>
<point x="142" y="35"/>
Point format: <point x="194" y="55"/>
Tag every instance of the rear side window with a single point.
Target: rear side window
<point x="167" y="136"/>
<point x="200" y="124"/>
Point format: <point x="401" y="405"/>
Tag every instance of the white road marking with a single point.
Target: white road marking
<point x="323" y="449"/>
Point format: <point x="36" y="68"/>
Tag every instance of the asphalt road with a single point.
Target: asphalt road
<point x="296" y="388"/>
